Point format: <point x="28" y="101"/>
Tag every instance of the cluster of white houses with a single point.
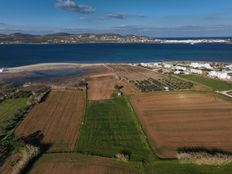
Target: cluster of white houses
<point x="224" y="72"/>
<point x="3" y="70"/>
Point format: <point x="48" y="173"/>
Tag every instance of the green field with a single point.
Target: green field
<point x="110" y="127"/>
<point x="174" y="167"/>
<point x="11" y="106"/>
<point x="77" y="163"/>
<point x="212" y="83"/>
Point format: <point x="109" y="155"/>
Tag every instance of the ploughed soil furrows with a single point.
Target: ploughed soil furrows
<point x="76" y="163"/>
<point x="57" y="120"/>
<point x="101" y="87"/>
<point x="130" y="72"/>
<point x="184" y="120"/>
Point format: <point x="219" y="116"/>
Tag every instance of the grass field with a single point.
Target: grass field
<point x="110" y="127"/>
<point x="174" y="167"/>
<point x="11" y="106"/>
<point x="184" y="119"/>
<point x="81" y="164"/>
<point x="57" y="119"/>
<point x="212" y="83"/>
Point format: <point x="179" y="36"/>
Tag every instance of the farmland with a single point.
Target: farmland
<point x="110" y="128"/>
<point x="183" y="119"/>
<point x="11" y="106"/>
<point x="101" y="86"/>
<point x="129" y="72"/>
<point x="146" y="80"/>
<point x="89" y="129"/>
<point x="58" y="119"/>
<point x="175" y="167"/>
<point x="169" y="82"/>
<point x="214" y="84"/>
<point x="81" y="164"/>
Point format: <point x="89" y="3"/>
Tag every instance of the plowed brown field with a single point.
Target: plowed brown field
<point x="177" y="120"/>
<point x="101" y="87"/>
<point x="58" y="118"/>
<point x="75" y="163"/>
<point x="130" y="72"/>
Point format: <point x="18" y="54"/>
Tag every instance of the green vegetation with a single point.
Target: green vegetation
<point x="174" y="167"/>
<point x="110" y="127"/>
<point x="212" y="83"/>
<point x="9" y="107"/>
<point x="79" y="163"/>
<point x="170" y="82"/>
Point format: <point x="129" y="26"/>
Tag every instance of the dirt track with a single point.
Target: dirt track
<point x="58" y="119"/>
<point x="176" y="120"/>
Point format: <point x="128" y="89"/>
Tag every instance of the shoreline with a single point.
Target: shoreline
<point x="46" y="66"/>
<point x="63" y="65"/>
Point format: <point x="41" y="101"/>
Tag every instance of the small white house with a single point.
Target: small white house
<point x="167" y="65"/>
<point x="3" y="70"/>
<point x="201" y="65"/>
<point x="151" y="65"/>
<point x="229" y="67"/>
<point x="180" y="68"/>
<point x="178" y="72"/>
<point x="196" y="71"/>
<point x="219" y="75"/>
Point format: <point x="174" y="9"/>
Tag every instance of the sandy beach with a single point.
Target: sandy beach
<point x="46" y="66"/>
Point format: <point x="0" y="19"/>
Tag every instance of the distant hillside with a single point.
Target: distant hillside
<point x="67" y="38"/>
<point x="75" y="38"/>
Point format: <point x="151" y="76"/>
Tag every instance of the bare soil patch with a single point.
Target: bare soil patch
<point x="58" y="119"/>
<point x="129" y="72"/>
<point x="101" y="86"/>
<point x="184" y="119"/>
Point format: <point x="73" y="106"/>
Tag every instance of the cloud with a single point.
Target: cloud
<point x="71" y="5"/>
<point x="117" y="16"/>
<point x="82" y="18"/>
<point x="129" y="27"/>
<point x="122" y="16"/>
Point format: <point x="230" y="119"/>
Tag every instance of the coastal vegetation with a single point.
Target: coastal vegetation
<point x="161" y="84"/>
<point x="214" y="84"/>
<point x="10" y="106"/>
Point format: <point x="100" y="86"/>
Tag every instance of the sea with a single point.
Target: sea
<point x="25" y="54"/>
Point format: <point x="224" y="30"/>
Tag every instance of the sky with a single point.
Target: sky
<point x="156" y="18"/>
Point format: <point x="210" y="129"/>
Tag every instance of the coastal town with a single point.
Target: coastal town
<point x="67" y="38"/>
<point x="222" y="71"/>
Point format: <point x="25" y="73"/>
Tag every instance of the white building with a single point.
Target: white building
<point x="201" y="65"/>
<point x="178" y="72"/>
<point x="196" y="71"/>
<point x="219" y="75"/>
<point x="3" y="70"/>
<point x="151" y="65"/>
<point x="166" y="65"/>
<point x="180" y="68"/>
<point x="229" y="67"/>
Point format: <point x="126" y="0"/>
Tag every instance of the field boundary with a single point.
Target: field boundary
<point x="141" y="128"/>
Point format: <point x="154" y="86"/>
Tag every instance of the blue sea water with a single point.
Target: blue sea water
<point x="25" y="54"/>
